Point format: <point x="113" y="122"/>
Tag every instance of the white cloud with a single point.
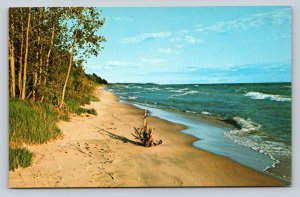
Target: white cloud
<point x="278" y="17"/>
<point x="191" y="36"/>
<point x="153" y="60"/>
<point x="176" y="36"/>
<point x="143" y="37"/>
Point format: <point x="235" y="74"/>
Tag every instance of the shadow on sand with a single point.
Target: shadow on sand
<point x="122" y="138"/>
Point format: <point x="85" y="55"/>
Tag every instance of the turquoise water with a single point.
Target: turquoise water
<point x="260" y="114"/>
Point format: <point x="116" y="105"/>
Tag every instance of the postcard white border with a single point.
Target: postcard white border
<point x="145" y="192"/>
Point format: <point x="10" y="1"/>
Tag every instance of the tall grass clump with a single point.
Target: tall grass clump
<point x="83" y="110"/>
<point x="32" y="122"/>
<point x="74" y="104"/>
<point x="19" y="157"/>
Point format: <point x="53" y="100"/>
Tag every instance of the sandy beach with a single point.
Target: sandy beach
<point x="99" y="151"/>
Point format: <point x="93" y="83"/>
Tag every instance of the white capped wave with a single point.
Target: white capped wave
<point x="205" y="113"/>
<point x="186" y="93"/>
<point x="152" y="89"/>
<point x="247" y="126"/>
<point x="132" y="97"/>
<point x="139" y="87"/>
<point x="246" y="137"/>
<point x="191" y="112"/>
<point x="180" y="90"/>
<point x="273" y="97"/>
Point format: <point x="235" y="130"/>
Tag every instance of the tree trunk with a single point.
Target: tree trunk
<point x="12" y="84"/>
<point x="26" y="56"/>
<point x="47" y="60"/>
<point x="21" y="58"/>
<point x="69" y="69"/>
<point x="20" y="67"/>
<point x="39" y="79"/>
<point x="37" y="57"/>
<point x="67" y="77"/>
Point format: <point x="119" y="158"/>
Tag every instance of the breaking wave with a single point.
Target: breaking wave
<point x="132" y="97"/>
<point x="185" y="93"/>
<point x="246" y="126"/>
<point x="205" y="113"/>
<point x="245" y="136"/>
<point x="272" y="97"/>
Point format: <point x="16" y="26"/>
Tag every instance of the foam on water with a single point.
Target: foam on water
<point x="259" y="95"/>
<point x="247" y="126"/>
<point x="152" y="89"/>
<point x="186" y="93"/>
<point x="190" y="112"/>
<point x="132" y="97"/>
<point x="243" y="136"/>
<point x="180" y="90"/>
<point x="205" y="113"/>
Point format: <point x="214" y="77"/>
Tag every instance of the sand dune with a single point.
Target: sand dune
<point x="99" y="151"/>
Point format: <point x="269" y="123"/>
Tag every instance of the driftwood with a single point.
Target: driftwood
<point x="145" y="134"/>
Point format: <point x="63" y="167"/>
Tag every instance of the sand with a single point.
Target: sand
<point x="98" y="151"/>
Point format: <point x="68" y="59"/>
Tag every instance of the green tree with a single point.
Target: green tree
<point x="81" y="36"/>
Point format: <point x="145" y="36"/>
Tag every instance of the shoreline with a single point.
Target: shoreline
<point x="214" y="124"/>
<point x="98" y="151"/>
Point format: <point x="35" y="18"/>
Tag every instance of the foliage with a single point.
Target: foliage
<point x="19" y="157"/>
<point x="42" y="64"/>
<point x="96" y="79"/>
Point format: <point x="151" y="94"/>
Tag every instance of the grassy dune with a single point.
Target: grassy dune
<point x="35" y="123"/>
<point x="32" y="122"/>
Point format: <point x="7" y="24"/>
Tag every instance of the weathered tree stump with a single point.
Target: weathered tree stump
<point x="145" y="134"/>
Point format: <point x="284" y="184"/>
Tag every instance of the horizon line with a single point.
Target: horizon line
<point x="144" y="83"/>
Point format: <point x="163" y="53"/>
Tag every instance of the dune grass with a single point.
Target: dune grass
<point x="19" y="157"/>
<point x="29" y="123"/>
<point x="75" y="103"/>
<point x="35" y="123"/>
<point x="80" y="111"/>
<point x="32" y="122"/>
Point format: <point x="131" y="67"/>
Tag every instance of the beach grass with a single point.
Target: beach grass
<point x="32" y="122"/>
<point x="19" y="157"/>
<point x="81" y="110"/>
<point x="35" y="123"/>
<point x="74" y="104"/>
<point x="93" y="98"/>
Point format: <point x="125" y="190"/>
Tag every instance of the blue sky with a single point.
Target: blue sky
<point x="195" y="45"/>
